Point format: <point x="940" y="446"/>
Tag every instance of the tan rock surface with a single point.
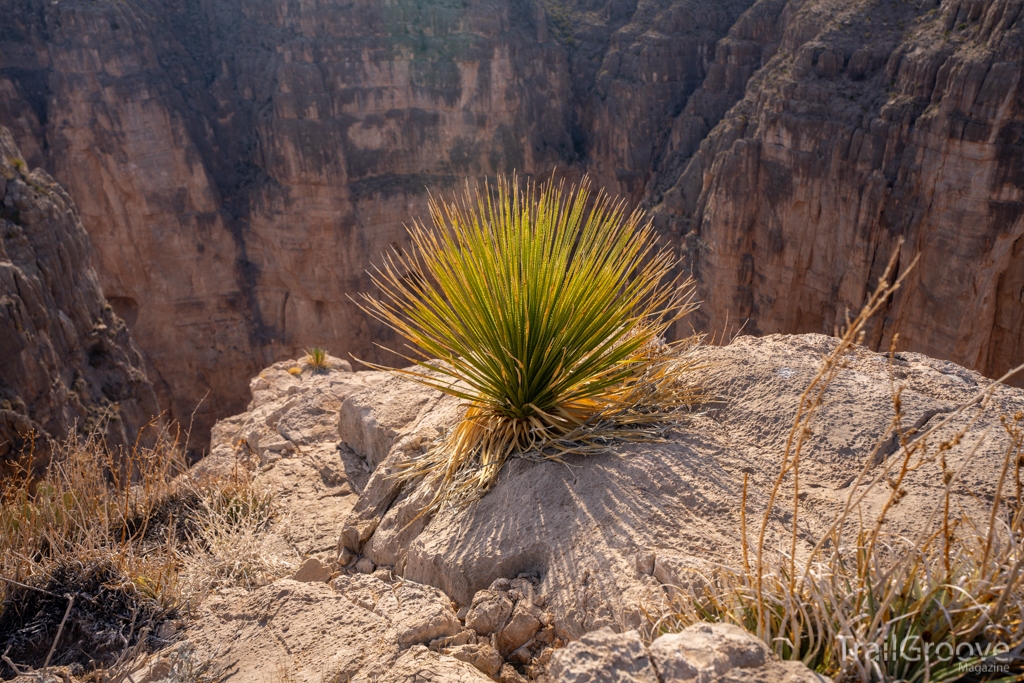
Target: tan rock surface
<point x="554" y="551"/>
<point x="869" y="122"/>
<point x="311" y="632"/>
<point x="704" y="653"/>
<point x="587" y="528"/>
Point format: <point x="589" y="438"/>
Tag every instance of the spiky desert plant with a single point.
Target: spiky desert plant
<point x="317" y="359"/>
<point x="544" y="310"/>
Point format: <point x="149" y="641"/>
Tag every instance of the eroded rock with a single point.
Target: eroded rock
<point x="481" y="655"/>
<point x="489" y="612"/>
<point x="67" y="362"/>
<point x="419" y="614"/>
<point x="603" y="657"/>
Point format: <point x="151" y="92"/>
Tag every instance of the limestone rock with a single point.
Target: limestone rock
<point x="419" y="665"/>
<point x="603" y="657"/>
<point x="312" y="570"/>
<point x="551" y="551"/>
<point x="290" y="434"/>
<point x="358" y="628"/>
<point x="897" y="121"/>
<point x="236" y="179"/>
<point x="520" y="629"/>
<point x="705" y="652"/>
<point x="303" y="629"/>
<point x="482" y="656"/>
<point x="489" y="612"/>
<point x="508" y="674"/>
<point x="419" y="614"/>
<point x="66" y="359"/>
<point x="579" y="528"/>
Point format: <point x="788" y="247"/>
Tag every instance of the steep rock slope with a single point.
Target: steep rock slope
<point x="66" y="359"/>
<point x="240" y="165"/>
<point x="873" y="121"/>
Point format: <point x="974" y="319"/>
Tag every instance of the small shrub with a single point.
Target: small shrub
<point x="317" y="359"/>
<point x="545" y="312"/>
<point x="232" y="547"/>
<point x="295" y="370"/>
<point x="99" y="526"/>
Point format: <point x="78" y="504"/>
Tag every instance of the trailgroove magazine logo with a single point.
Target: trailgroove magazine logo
<point x="968" y="657"/>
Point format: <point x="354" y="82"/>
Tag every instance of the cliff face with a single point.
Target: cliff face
<point x="238" y="165"/>
<point x="873" y="121"/>
<point x="66" y="360"/>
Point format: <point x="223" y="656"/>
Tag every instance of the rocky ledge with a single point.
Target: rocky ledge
<point x="551" y="574"/>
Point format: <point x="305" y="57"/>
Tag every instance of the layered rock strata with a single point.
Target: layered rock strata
<point x="868" y="123"/>
<point x="239" y="166"/>
<point x="67" y="361"/>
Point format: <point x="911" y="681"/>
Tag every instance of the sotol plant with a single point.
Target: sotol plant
<point x="318" y="359"/>
<point x="544" y="310"/>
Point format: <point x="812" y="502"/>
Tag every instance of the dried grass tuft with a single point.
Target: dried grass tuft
<point x="863" y="605"/>
<point x="105" y="546"/>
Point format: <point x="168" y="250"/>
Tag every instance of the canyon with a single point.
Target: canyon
<point x="240" y="166"/>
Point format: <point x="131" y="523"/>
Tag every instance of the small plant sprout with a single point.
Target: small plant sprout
<point x="543" y="309"/>
<point x="317" y="359"/>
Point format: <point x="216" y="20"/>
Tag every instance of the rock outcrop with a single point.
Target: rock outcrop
<point x="512" y="584"/>
<point x="867" y="123"/>
<point x="67" y="361"/>
<point x="704" y="653"/>
<point x="239" y="165"/>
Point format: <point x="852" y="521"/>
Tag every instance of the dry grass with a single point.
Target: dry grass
<point x="233" y="547"/>
<point x="99" y="551"/>
<point x="862" y="605"/>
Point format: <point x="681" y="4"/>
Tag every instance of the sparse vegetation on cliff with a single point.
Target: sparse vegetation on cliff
<point x="864" y="604"/>
<point x="97" y="554"/>
<point x="546" y="312"/>
<point x="317" y="359"/>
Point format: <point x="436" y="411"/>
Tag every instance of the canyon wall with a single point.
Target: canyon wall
<point x="239" y="165"/>
<point x="67" y="361"/>
<point x="870" y="122"/>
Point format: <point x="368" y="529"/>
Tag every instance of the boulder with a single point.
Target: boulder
<point x="489" y="612"/>
<point x="313" y="570"/>
<point x="703" y="653"/>
<point x="481" y="655"/>
<point x="420" y="665"/>
<point x="603" y="656"/>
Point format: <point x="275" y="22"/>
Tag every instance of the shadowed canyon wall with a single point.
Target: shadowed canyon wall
<point x="239" y="165"/>
<point x="67" y="361"/>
